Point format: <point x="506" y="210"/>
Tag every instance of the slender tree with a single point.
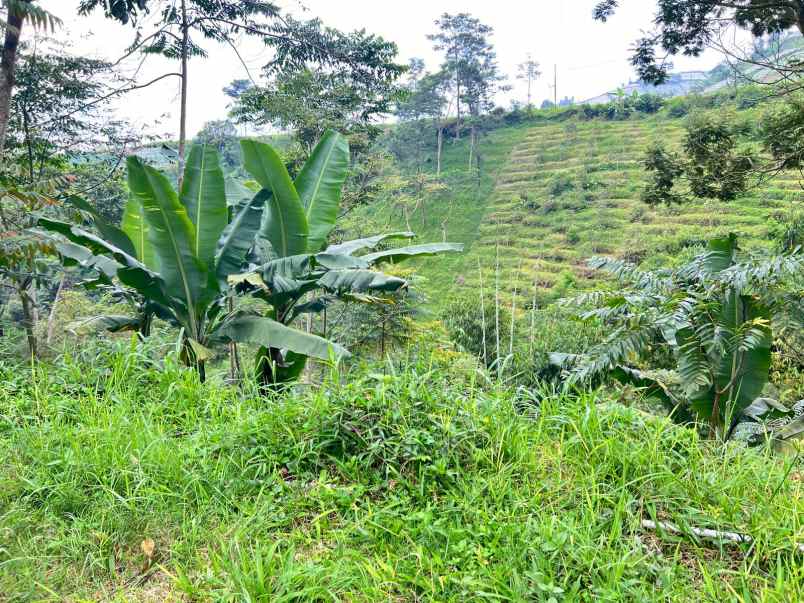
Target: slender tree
<point x="180" y="25"/>
<point x="48" y="139"/>
<point x="423" y="110"/>
<point x="18" y="12"/>
<point x="529" y="72"/>
<point x="482" y="81"/>
<point x="464" y="41"/>
<point x="688" y="27"/>
<point x="347" y="81"/>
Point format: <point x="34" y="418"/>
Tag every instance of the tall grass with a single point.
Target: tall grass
<point x="414" y="485"/>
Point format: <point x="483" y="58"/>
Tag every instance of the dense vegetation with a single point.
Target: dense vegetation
<point x="231" y="369"/>
<point x="125" y="483"/>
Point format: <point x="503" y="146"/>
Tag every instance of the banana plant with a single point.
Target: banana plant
<point x="176" y="251"/>
<point x="180" y="252"/>
<point x="293" y="270"/>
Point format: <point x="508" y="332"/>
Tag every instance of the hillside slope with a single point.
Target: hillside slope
<point x="555" y="194"/>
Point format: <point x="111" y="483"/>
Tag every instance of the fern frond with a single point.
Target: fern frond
<point x="630" y="274"/>
<point x="38" y="17"/>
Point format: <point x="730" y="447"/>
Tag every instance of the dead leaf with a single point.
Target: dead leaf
<point x="148" y="548"/>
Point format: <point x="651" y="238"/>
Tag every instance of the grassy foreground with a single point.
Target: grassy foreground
<point x="127" y="484"/>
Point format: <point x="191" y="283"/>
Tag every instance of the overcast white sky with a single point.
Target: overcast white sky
<point x="592" y="58"/>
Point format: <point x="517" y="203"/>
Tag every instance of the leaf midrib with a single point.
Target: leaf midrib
<point x="198" y="204"/>
<point x="320" y="179"/>
<point x="277" y="210"/>
<point x="179" y="262"/>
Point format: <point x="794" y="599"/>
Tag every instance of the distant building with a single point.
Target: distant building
<point x="678" y="84"/>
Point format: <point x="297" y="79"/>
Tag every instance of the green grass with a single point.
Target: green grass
<point x="417" y="485"/>
<point x="456" y="215"/>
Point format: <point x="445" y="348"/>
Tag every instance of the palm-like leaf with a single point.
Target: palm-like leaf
<point x="360" y="281"/>
<point x="352" y="247"/>
<point x="272" y="334"/>
<point x="238" y="236"/>
<point x="170" y="232"/>
<point x="135" y="226"/>
<point x="81" y="256"/>
<point x="131" y="272"/>
<point x="414" y="251"/>
<point x="110" y="232"/>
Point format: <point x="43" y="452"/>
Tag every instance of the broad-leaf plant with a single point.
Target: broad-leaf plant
<point x="182" y="254"/>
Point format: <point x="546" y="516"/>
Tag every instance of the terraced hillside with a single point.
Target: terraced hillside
<point x="554" y="194"/>
<point x="571" y="191"/>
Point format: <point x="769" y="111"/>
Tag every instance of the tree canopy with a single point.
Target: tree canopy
<point x="341" y="80"/>
<point x="687" y="27"/>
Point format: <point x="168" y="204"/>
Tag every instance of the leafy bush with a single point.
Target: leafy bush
<point x="474" y="328"/>
<point x="536" y="333"/>
<point x="541" y="332"/>
<point x="787" y="230"/>
<point x="648" y="103"/>
<point x="678" y="107"/>
<point x="718" y="314"/>
<point x="560" y="184"/>
<point x="715" y="163"/>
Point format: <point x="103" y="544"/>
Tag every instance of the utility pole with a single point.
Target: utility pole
<point x="555" y="85"/>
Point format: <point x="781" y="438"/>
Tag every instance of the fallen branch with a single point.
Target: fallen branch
<point x="703" y="533"/>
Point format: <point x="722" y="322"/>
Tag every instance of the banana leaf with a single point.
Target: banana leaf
<point x="238" y="237"/>
<point x="135" y="226"/>
<point x="405" y="253"/>
<point x="111" y="323"/>
<point x="81" y="256"/>
<point x="720" y="254"/>
<point x="203" y="195"/>
<point x="359" y="281"/>
<point x="284" y="224"/>
<point x="352" y="247"/>
<point x="110" y="232"/>
<point x="319" y="186"/>
<point x="131" y="271"/>
<point x="340" y="261"/>
<point x="272" y="334"/>
<point x="740" y="375"/>
<point x="172" y="236"/>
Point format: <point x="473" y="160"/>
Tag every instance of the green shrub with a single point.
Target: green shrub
<point x="542" y="332"/>
<point x="560" y="184"/>
<point x="648" y="103"/>
<point x="678" y="107"/>
<point x="536" y="334"/>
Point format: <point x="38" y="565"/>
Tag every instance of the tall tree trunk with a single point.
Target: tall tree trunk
<point x="530" y="82"/>
<point x="8" y="64"/>
<point x="457" y="98"/>
<point x="185" y="49"/>
<point x="471" y="145"/>
<point x="458" y="109"/>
